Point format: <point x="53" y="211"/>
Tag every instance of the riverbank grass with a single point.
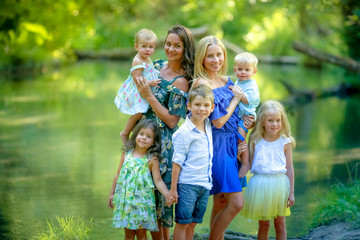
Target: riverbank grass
<point x="66" y="228"/>
<point x="341" y="204"/>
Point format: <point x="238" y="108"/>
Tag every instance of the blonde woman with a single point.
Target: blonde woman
<point x="210" y="70"/>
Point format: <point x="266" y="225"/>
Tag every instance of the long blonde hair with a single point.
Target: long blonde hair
<point x="200" y="51"/>
<point x="259" y="130"/>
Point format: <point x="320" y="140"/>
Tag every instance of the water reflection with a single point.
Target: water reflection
<point x="60" y="146"/>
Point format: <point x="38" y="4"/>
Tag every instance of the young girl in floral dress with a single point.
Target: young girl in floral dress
<point x="132" y="193"/>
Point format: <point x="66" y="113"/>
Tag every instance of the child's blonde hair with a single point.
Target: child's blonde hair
<point x="259" y="129"/>
<point x="145" y="34"/>
<point x="246" y="57"/>
<point x="200" y="51"/>
<point x="203" y="91"/>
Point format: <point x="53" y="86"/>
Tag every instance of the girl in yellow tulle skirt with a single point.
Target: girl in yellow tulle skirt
<point x="270" y="191"/>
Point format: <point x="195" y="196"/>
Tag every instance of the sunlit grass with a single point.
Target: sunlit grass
<point x="341" y="204"/>
<point x="67" y="228"/>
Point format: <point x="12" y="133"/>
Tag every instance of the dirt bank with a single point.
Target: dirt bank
<point x="336" y="231"/>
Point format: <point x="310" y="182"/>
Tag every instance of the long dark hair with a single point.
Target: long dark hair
<point x="188" y="58"/>
<point x="155" y="149"/>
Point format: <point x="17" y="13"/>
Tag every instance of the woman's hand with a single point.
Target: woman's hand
<point x="249" y="121"/>
<point x="143" y="87"/>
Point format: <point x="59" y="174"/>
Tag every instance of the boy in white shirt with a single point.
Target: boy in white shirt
<point x="192" y="160"/>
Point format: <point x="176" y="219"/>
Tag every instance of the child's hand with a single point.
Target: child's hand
<point x="154" y="82"/>
<point x="291" y="200"/>
<point x="172" y="197"/>
<point x="110" y="201"/>
<point x="243" y="170"/>
<point x="169" y="201"/>
<point x="238" y="92"/>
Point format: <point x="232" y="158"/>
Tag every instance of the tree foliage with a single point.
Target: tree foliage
<point x="34" y="32"/>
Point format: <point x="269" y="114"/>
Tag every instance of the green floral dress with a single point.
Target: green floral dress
<point x="173" y="99"/>
<point x="134" y="197"/>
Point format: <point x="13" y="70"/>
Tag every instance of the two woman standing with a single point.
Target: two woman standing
<point x="168" y="103"/>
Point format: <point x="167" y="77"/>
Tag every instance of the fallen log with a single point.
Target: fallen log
<point x="347" y="63"/>
<point x="232" y="47"/>
<point x="300" y="97"/>
<point x="128" y="53"/>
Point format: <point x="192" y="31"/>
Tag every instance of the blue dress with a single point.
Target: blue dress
<point x="225" y="166"/>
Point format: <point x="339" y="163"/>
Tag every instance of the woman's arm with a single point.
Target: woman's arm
<point x="162" y="112"/>
<point x="111" y="197"/>
<point x="220" y="122"/>
<point x="290" y="173"/>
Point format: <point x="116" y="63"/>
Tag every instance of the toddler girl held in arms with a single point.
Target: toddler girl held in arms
<point x="128" y="99"/>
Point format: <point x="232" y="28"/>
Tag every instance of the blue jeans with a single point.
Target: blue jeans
<point x="191" y="204"/>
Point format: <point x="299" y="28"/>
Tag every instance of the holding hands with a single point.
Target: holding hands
<point x="172" y="197"/>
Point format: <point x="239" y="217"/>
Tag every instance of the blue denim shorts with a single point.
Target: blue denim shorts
<point x="191" y="204"/>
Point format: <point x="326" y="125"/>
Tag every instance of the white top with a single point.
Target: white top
<point x="251" y="92"/>
<point x="269" y="157"/>
<point x="193" y="151"/>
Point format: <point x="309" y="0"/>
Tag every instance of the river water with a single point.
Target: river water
<point x="60" y="145"/>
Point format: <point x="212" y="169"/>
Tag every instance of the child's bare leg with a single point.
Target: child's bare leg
<point x="190" y="231"/>
<point x="244" y="156"/>
<point x="157" y="235"/>
<point x="162" y="234"/>
<point x="129" y="126"/>
<point x="180" y="231"/>
<point x="141" y="234"/>
<point x="263" y="232"/>
<point x="280" y="228"/>
<point x="129" y="234"/>
<point x="166" y="233"/>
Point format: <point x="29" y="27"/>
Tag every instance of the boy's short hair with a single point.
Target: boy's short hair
<point x="246" y="57"/>
<point x="145" y="34"/>
<point x="203" y="91"/>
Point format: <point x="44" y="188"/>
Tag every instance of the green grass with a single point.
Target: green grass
<point x="67" y="228"/>
<point x="341" y="204"/>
